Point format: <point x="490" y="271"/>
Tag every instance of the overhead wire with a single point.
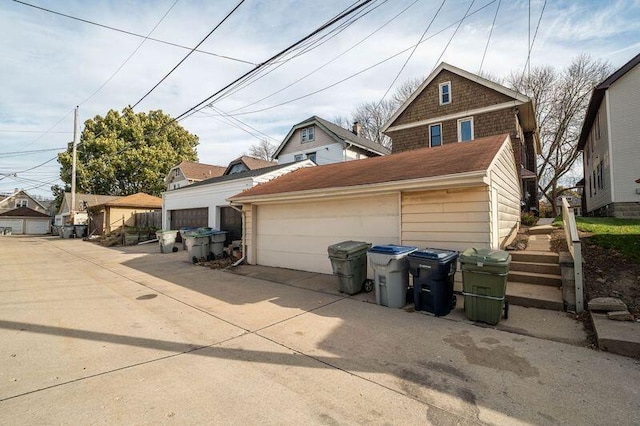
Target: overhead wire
<point x="486" y="47"/>
<point x="528" y="63"/>
<point x="410" y="54"/>
<point x="466" y="14"/>
<point x="190" y="53"/>
<point x="131" y="33"/>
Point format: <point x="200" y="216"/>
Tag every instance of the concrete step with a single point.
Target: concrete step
<point x="535" y="296"/>
<point x="541" y="230"/>
<point x="540" y="268"/>
<point x="534" y="256"/>
<point x="550" y="280"/>
<point x="619" y="337"/>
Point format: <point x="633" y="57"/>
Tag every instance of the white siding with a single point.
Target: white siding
<point x="454" y="219"/>
<point x="325" y="154"/>
<point x="37" y="226"/>
<point x="16" y="225"/>
<point x="504" y="179"/>
<point x="624" y="97"/>
<point x="597" y="150"/>
<point x="297" y="235"/>
<point x="295" y="145"/>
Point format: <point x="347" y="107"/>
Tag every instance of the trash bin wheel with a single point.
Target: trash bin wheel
<point x="194" y="259"/>
<point x="454" y="301"/>
<point x="506" y="309"/>
<point x="175" y="249"/>
<point x="368" y="286"/>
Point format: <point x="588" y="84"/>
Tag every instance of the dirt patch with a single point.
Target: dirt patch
<point x="606" y="272"/>
<point x="223" y="263"/>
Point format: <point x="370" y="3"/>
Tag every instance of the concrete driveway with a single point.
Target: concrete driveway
<point x="91" y="335"/>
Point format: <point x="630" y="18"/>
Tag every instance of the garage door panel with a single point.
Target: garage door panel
<point x="296" y="236"/>
<point x="37" y="227"/>
<point x="16" y="225"/>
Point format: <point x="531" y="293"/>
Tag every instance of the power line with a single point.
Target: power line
<point x="411" y="54"/>
<point x="528" y="63"/>
<point x="276" y="56"/>
<point x="29" y="131"/>
<point x="33" y="151"/>
<point x="486" y="47"/>
<point x="131" y="33"/>
<point x="365" y="69"/>
<point x="466" y="14"/>
<point x="131" y="55"/>
<point x="190" y="53"/>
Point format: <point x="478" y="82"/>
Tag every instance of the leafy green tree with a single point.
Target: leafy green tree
<point x="128" y="152"/>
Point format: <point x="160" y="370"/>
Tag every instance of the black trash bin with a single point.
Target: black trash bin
<point x="433" y="272"/>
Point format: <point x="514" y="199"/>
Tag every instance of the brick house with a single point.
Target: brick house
<point x="453" y="105"/>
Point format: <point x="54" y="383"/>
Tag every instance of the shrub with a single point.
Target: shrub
<point x="528" y="219"/>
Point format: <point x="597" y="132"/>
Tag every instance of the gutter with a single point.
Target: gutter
<point x="244" y="229"/>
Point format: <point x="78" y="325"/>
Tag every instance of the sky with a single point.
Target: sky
<point x="50" y="63"/>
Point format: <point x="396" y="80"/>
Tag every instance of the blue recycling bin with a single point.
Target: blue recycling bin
<point x="433" y="272"/>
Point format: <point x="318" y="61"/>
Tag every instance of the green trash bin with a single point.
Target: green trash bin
<point x="484" y="284"/>
<point x="349" y="263"/>
<point x="197" y="246"/>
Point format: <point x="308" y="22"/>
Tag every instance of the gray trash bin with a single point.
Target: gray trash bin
<point x="80" y="230"/>
<point x="183" y="234"/>
<point x="197" y="246"/>
<point x="167" y="240"/>
<point x="67" y="231"/>
<point x="349" y="263"/>
<point x="216" y="241"/>
<point x="391" y="273"/>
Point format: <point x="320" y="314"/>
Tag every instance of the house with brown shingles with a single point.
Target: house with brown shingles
<point x="188" y="172"/>
<point x="455" y="106"/>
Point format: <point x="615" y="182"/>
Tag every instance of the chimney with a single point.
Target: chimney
<point x="356" y="128"/>
<point x="16" y="190"/>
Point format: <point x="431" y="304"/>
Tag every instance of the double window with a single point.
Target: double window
<point x="307" y="134"/>
<point x="21" y="203"/>
<point x="444" y="90"/>
<point x="465" y="129"/>
<point x="435" y="135"/>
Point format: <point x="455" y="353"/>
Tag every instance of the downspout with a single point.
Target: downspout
<point x="244" y="230"/>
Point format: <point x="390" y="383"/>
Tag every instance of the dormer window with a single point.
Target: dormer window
<point x="21" y="203"/>
<point x="445" y="93"/>
<point x="307" y="134"/>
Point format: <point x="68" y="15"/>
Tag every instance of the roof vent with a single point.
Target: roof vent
<point x="356" y="128"/>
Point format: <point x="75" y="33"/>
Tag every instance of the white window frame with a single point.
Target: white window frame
<point x="307" y="134"/>
<point x="22" y="202"/>
<point x="303" y="135"/>
<point x="297" y="157"/>
<point x="434" y="125"/>
<point x="314" y="154"/>
<point x="440" y="93"/>
<point x="460" y="121"/>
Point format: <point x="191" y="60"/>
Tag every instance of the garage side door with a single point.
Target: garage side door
<point x="16" y="225"/>
<point x="37" y="227"/>
<point x="190" y="217"/>
<point x="297" y="235"/>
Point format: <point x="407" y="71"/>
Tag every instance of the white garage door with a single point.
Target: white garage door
<point x="37" y="226"/>
<point x="296" y="235"/>
<point x="15" y="224"/>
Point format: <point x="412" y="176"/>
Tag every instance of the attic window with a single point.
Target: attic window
<point x="307" y="134"/>
<point x="21" y="203"/>
<point x="238" y="168"/>
<point x="445" y="93"/>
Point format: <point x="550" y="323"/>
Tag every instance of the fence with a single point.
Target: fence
<point x="149" y="220"/>
<point x="575" y="248"/>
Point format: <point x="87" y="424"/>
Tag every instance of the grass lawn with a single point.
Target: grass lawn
<point x="622" y="235"/>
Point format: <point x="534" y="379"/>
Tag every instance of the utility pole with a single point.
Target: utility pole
<point x="73" y="166"/>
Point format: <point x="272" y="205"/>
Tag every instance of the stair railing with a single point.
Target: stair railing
<point x="575" y="248"/>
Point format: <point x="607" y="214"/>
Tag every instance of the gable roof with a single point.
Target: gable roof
<point x="251" y="163"/>
<point x="596" y="99"/>
<point x="90" y="199"/>
<point x="24" y="212"/>
<point x="198" y="171"/>
<point x="338" y="133"/>
<point x="446" y="160"/>
<point x="24" y="194"/>
<point x="140" y="200"/>
<point x="241" y="175"/>
<point x="528" y="114"/>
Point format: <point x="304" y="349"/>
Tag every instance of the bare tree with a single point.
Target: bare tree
<point x="263" y="150"/>
<point x="561" y="99"/>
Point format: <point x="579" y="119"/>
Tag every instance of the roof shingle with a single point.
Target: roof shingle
<point x="448" y="159"/>
<point x="23" y="212"/>
<point x="199" y="171"/>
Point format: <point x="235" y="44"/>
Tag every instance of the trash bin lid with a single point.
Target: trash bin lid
<point x="392" y="249"/>
<point x="487" y="257"/>
<point x="439" y="255"/>
<point x="346" y="248"/>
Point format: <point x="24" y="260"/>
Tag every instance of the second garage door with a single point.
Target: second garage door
<point x="190" y="217"/>
<point x="296" y="235"/>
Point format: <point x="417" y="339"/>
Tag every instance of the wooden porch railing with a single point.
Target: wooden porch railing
<point x="575" y="248"/>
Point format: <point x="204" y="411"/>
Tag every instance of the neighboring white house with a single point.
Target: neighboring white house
<point x="324" y="142"/>
<point x="24" y="220"/>
<point x="82" y="203"/>
<point x="204" y="203"/>
<point x="188" y="172"/>
<point x="455" y="197"/>
<point x="609" y="142"/>
<point x="21" y="198"/>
